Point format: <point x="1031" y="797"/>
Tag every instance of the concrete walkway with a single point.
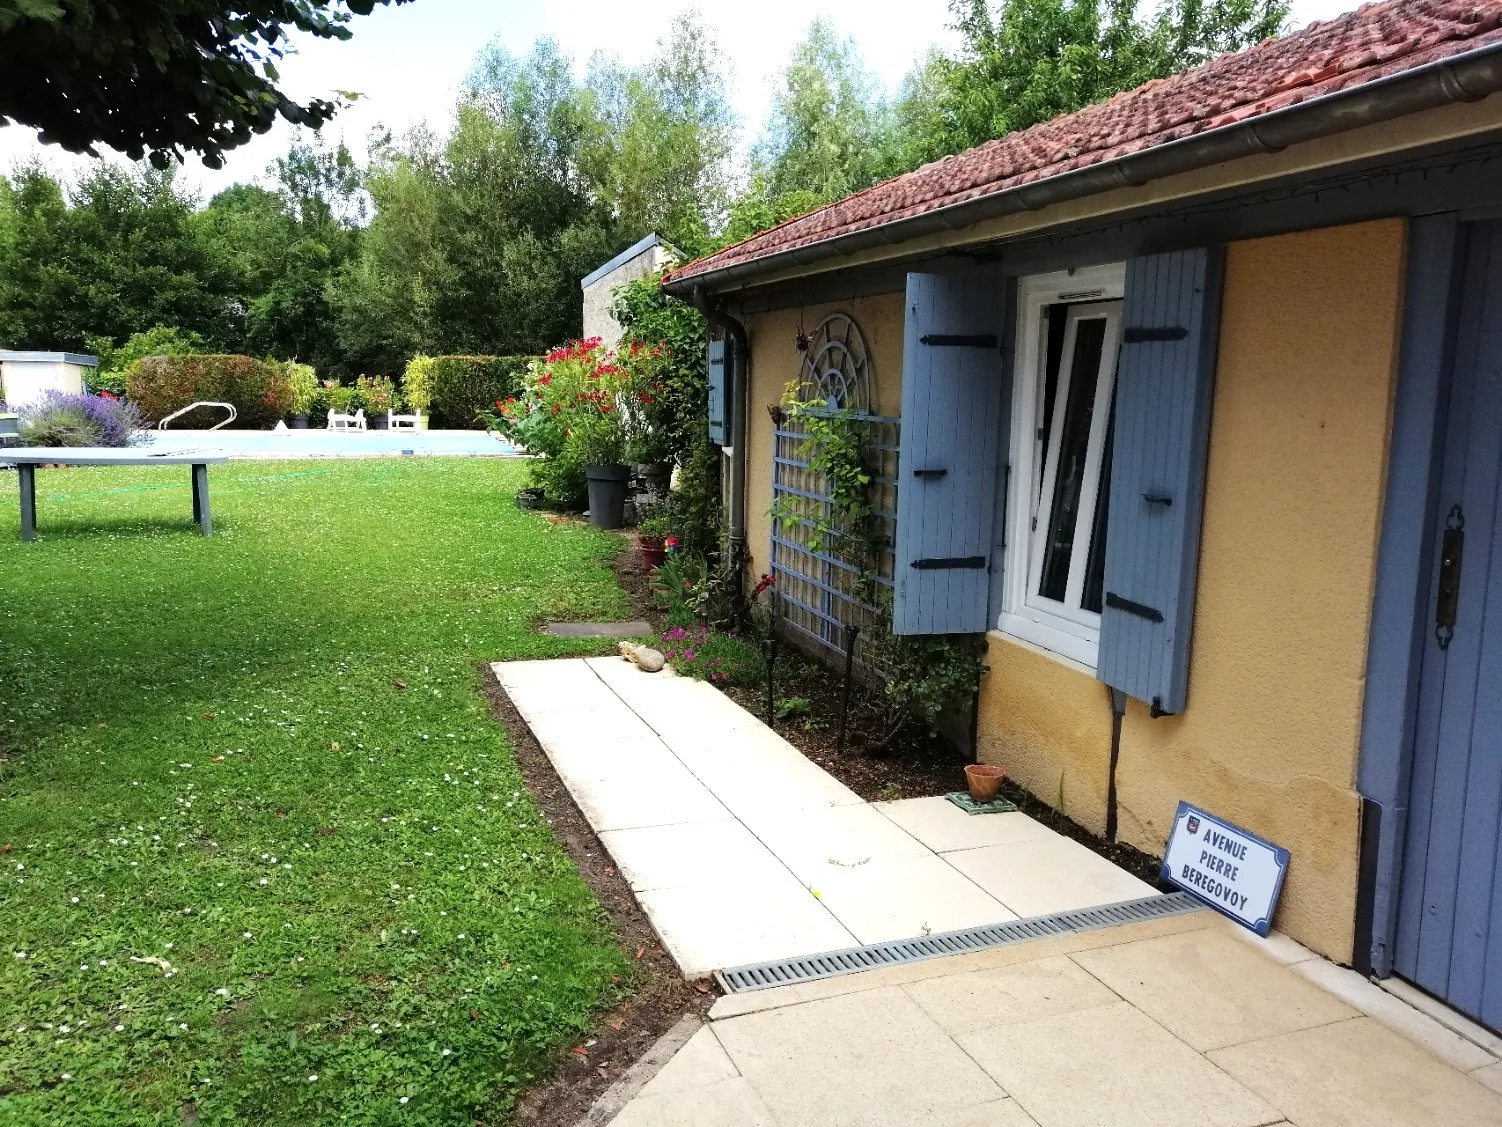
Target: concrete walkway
<point x="741" y="850"/>
<point x="1179" y="1022"/>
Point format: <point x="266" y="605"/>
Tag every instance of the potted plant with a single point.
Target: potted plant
<point x="417" y="387"/>
<point x="304" y="383"/>
<point x="596" y="436"/>
<point x="379" y="396"/>
<point x="653" y="531"/>
<point x="648" y="417"/>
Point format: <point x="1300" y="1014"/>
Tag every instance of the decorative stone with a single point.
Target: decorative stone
<point x="646" y="658"/>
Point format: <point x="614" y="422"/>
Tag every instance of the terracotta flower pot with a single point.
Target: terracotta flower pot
<point x="984" y="780"/>
<point x="652" y="549"/>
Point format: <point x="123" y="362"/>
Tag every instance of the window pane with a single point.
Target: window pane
<point x="1095" y="573"/>
<point x="1063" y="512"/>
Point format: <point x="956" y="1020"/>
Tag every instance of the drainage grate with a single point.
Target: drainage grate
<point x="763" y="976"/>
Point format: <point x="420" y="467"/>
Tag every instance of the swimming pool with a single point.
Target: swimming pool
<point x="333" y="444"/>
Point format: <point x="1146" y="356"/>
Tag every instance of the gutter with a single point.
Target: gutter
<point x="736" y="369"/>
<point x="1467" y="77"/>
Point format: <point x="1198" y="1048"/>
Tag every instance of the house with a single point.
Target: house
<point x="26" y="375"/>
<point x="1192" y="402"/>
<point x="641" y="259"/>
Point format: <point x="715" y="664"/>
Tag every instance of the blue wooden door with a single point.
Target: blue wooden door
<point x="1450" y="913"/>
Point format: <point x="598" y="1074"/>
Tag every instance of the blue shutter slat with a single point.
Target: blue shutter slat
<point x="1162" y="419"/>
<point x="719" y="398"/>
<point x="951" y="419"/>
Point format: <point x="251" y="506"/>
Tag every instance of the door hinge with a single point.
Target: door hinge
<point x="1451" y="550"/>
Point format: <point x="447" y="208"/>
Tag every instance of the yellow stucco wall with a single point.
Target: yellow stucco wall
<point x="1298" y="453"/>
<point x="775" y="360"/>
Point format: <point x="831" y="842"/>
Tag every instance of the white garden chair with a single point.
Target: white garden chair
<point x="338" y="420"/>
<point x="404" y="422"/>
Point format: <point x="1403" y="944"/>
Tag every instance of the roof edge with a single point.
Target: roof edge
<point x="1466" y="77"/>
<point x="641" y="245"/>
<point x="78" y="359"/>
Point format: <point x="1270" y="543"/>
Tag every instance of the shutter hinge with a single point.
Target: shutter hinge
<point x="1141" y="610"/>
<point x="1145" y="335"/>
<point x="959" y="340"/>
<point x="939" y="563"/>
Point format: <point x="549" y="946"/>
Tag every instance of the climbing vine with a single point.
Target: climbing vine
<point x="835" y="446"/>
<point x="920" y="677"/>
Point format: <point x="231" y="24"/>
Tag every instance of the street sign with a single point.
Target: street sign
<point x="1235" y="872"/>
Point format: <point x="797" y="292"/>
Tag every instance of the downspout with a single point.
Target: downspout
<point x="736" y="371"/>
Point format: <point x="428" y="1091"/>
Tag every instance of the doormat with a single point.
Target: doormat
<point x="963" y="800"/>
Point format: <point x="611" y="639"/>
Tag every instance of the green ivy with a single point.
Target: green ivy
<point x="921" y="677"/>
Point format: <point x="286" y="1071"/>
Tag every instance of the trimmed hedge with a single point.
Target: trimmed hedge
<point x="261" y="392"/>
<point x="465" y="386"/>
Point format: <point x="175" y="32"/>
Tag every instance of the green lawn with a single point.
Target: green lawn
<point x="264" y="759"/>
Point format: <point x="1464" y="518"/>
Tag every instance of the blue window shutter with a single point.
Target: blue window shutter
<point x="951" y="437"/>
<point x="719" y="393"/>
<point x="1164" y="382"/>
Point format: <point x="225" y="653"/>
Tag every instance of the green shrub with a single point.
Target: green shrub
<point x="377" y="394"/>
<point x="114" y="362"/>
<point x="417" y="383"/>
<point x="260" y="392"/>
<point x="336" y="397"/>
<point x="466" y="387"/>
<point x="304" y="383"/>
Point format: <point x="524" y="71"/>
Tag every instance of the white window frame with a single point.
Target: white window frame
<point x="1070" y="633"/>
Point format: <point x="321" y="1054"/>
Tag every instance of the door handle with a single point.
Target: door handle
<point x="1451" y="551"/>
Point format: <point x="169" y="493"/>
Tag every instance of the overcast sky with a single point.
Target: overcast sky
<point x="407" y="61"/>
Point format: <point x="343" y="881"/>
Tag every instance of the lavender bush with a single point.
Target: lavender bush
<point x="62" y="419"/>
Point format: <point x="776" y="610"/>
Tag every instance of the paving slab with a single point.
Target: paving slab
<point x="867" y="1059"/>
<point x="944" y="827"/>
<point x="726" y="830"/>
<point x="730" y="1103"/>
<point x="634" y="629"/>
<point x="1111" y="1066"/>
<point x="701" y="1062"/>
<point x="987" y="999"/>
<point x="1040" y="876"/>
<point x="733" y="926"/>
<point x="1359" y="1074"/>
<point x="1396" y="1014"/>
<point x="904" y="897"/>
<point x="1491" y="1076"/>
<point x="835" y="837"/>
<point x="693" y="855"/>
<point x="1211" y="991"/>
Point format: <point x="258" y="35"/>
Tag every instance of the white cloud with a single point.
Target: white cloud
<point x="409" y="60"/>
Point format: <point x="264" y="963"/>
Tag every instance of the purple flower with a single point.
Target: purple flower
<point x="57" y="418"/>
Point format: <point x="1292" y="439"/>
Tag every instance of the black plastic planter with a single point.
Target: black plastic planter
<point x="607" y="495"/>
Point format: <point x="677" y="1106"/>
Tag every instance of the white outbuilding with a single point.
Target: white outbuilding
<point x="24" y="376"/>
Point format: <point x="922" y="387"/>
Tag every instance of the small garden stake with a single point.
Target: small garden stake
<point x="852" y="633"/>
<point x="769" y="656"/>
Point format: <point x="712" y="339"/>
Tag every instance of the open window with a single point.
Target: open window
<point x="1068" y="341"/>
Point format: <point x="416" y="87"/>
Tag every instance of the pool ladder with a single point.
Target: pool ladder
<point x="230" y="407"/>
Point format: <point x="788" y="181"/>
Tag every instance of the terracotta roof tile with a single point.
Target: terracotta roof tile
<point x="1373" y="42"/>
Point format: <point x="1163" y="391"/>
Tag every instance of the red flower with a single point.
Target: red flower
<point x="766" y="581"/>
<point x="545" y="380"/>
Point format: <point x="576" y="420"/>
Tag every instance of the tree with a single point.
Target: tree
<point x="663" y="134"/>
<point x="124" y="252"/>
<point x="155" y="77"/>
<point x="1028" y="61"/>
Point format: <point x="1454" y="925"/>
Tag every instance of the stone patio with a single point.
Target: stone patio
<point x="741" y="850"/>
<point x="1179" y="1022"/>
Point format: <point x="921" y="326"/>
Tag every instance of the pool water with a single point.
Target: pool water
<point x="332" y="444"/>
